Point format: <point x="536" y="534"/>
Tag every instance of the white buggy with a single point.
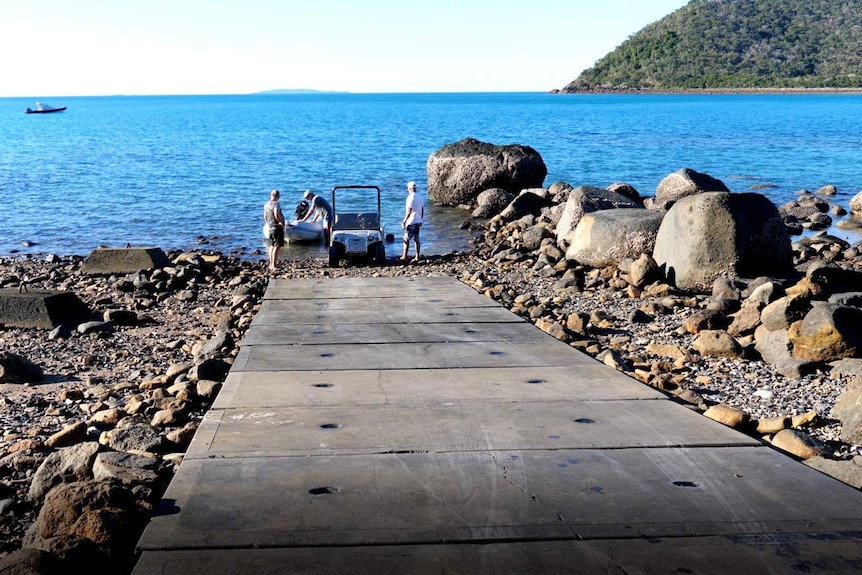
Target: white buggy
<point x="356" y="234"/>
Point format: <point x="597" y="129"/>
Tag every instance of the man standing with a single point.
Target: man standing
<point x="413" y="217"/>
<point x="319" y="209"/>
<point x="274" y="221"/>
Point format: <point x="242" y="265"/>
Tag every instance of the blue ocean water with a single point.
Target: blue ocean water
<point x="179" y="171"/>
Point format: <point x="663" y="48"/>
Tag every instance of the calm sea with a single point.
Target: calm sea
<point x="184" y="171"/>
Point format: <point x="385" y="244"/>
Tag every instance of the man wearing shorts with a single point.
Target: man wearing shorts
<point x="274" y="220"/>
<point x="412" y="222"/>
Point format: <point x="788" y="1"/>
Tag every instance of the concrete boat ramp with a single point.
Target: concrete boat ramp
<point x="412" y="425"/>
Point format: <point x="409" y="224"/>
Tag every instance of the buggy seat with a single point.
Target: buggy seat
<point x="356" y="221"/>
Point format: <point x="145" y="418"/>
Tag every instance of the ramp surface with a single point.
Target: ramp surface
<point x="411" y="425"/>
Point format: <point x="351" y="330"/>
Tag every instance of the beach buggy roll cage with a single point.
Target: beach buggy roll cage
<point x="358" y="220"/>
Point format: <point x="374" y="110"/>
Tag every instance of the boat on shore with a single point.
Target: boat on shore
<point x="43" y="109"/>
<point x="298" y="231"/>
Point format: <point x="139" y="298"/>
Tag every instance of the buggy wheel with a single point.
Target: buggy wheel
<point x="336" y="252"/>
<point x="380" y="254"/>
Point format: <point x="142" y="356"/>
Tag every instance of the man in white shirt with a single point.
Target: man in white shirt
<point x="412" y="222"/>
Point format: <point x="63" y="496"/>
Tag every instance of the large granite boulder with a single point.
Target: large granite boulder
<point x="682" y="183"/>
<point x="607" y="237"/>
<point x="459" y="172"/>
<point x="586" y="199"/>
<point x="828" y="332"/>
<point x="715" y="234"/>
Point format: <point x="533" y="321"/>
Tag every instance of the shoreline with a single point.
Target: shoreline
<point x="709" y="91"/>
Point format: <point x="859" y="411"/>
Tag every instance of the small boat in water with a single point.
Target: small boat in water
<point x="297" y="231"/>
<point x="43" y="109"/>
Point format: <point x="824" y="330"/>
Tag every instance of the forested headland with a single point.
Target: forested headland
<point x="737" y="44"/>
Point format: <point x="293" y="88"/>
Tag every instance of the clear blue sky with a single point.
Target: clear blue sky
<point x="138" y="47"/>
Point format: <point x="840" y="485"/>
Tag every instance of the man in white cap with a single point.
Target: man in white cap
<point x="319" y="209"/>
<point x="414" y="215"/>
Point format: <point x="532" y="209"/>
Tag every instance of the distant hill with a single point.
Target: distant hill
<point x="298" y="91"/>
<point x="738" y="44"/>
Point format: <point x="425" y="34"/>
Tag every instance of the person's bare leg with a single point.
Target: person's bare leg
<point x="418" y="250"/>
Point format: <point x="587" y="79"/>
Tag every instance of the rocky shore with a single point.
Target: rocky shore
<point x="706" y="91"/>
<point x="95" y="418"/>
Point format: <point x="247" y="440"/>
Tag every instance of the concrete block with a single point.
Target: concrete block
<point x="107" y="261"/>
<point x="41" y="309"/>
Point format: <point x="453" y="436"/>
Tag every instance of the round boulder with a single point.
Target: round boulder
<point x="525" y="203"/>
<point x="459" y="172"/>
<point x="584" y="200"/>
<point x="682" y="183"/>
<point x="717" y="343"/>
<point x="817" y="222"/>
<point x="491" y="202"/>
<point x="626" y="190"/>
<point x="606" y="237"/>
<point x="714" y="234"/>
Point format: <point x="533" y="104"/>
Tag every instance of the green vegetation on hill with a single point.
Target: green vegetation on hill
<point x="734" y="44"/>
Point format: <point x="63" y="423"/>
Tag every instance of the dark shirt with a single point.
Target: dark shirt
<point x="322" y="207"/>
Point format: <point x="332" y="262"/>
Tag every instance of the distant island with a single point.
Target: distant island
<point x="737" y="45"/>
<point x="299" y="91"/>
